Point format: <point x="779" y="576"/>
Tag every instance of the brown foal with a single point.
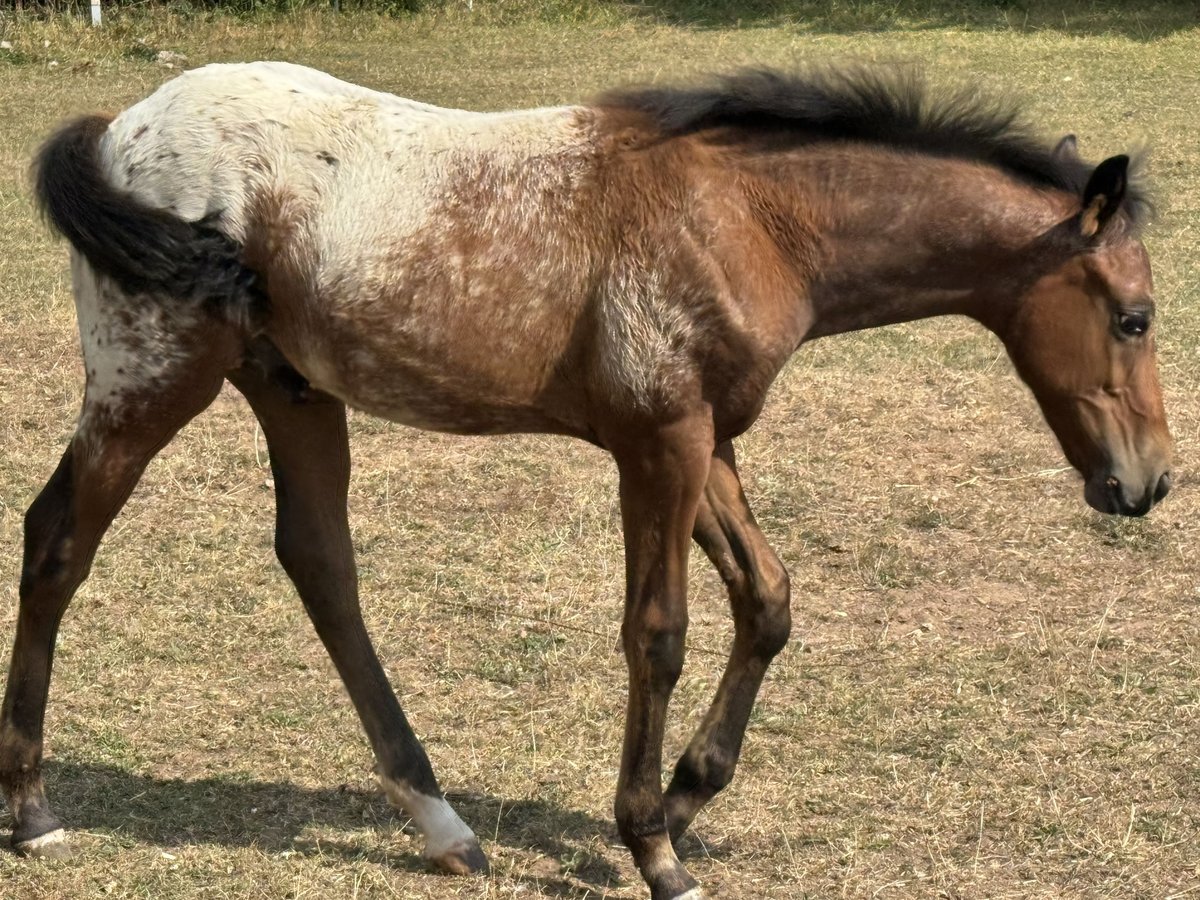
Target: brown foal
<point x="634" y="272"/>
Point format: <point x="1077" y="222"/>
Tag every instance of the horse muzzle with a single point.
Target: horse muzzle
<point x="1108" y="493"/>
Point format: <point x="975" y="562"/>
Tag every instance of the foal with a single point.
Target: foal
<point x="634" y="273"/>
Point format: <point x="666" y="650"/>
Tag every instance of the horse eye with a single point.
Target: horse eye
<point x="1133" y="324"/>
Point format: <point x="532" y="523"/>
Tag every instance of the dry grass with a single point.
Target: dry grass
<point x="993" y="691"/>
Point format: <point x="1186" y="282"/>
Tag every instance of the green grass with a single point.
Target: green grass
<point x="992" y="691"/>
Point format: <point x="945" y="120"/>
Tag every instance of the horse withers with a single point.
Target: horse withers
<point x="634" y="272"/>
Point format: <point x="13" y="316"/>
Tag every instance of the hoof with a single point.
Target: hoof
<point x="51" y="845"/>
<point x="694" y="894"/>
<point x="464" y="859"/>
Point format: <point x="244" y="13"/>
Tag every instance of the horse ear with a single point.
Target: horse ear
<point x="1067" y="148"/>
<point x="1103" y="195"/>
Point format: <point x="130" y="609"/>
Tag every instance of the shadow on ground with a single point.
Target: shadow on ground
<point x="1140" y="21"/>
<point x="276" y="816"/>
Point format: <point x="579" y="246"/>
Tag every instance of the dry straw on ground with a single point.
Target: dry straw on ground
<point x="992" y="691"/>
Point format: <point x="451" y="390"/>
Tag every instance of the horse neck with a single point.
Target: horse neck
<point x="903" y="237"/>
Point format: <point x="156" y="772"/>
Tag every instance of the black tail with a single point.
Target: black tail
<point x="143" y="249"/>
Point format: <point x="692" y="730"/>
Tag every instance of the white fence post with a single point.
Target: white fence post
<point x="96" y="13"/>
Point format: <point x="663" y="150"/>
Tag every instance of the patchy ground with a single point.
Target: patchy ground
<point x="993" y="691"/>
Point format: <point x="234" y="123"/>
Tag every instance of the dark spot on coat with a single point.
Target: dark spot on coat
<point x="327" y="157"/>
<point x="141" y="131"/>
<point x="131" y="170"/>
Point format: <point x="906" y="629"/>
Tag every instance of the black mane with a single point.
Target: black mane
<point x="887" y="105"/>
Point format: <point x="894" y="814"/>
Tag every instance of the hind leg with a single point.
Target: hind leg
<point x="62" y="529"/>
<point x="151" y="367"/>
<point x="310" y="459"/>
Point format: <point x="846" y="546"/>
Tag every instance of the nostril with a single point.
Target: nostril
<point x="1116" y="497"/>
<point x="1163" y="487"/>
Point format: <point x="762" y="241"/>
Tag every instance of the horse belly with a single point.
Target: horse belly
<point x="478" y="370"/>
<point x="434" y="397"/>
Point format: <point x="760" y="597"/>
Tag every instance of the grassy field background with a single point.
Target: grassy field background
<point x="992" y="691"/>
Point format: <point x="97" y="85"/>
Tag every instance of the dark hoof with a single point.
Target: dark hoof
<point x="465" y="859"/>
<point x="51" y="845"/>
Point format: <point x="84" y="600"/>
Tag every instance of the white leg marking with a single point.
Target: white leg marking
<point x="33" y="845"/>
<point x="444" y="831"/>
<point x="694" y="894"/>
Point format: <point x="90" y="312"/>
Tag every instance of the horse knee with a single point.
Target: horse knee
<point x="771" y="619"/>
<point x="656" y="653"/>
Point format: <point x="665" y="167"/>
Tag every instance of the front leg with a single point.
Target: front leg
<point x="662" y="476"/>
<point x="758" y="596"/>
